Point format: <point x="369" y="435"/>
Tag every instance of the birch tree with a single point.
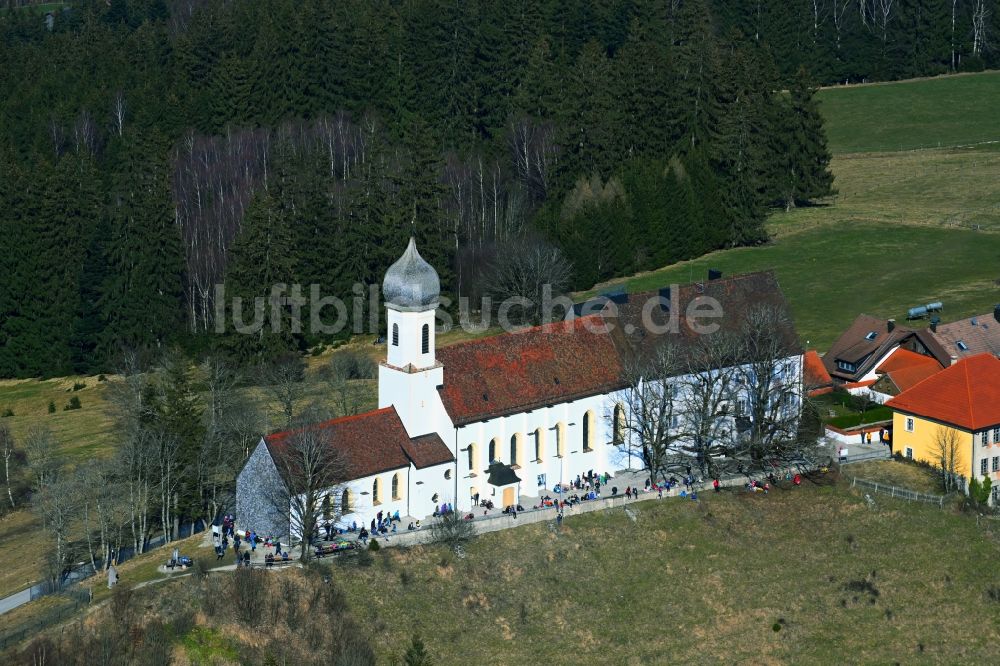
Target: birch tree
<point x="8" y="451"/>
<point x="40" y="449"/>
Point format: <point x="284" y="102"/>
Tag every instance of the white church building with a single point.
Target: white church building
<point x="536" y="401"/>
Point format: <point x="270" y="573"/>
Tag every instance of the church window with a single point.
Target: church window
<point x="395" y="335"/>
<point x="619" y="425"/>
<point x="560" y="439"/>
<point x="515" y="445"/>
<point x="539" y="445"/>
<point x="447" y="474"/>
<point x="377" y="491"/>
<point x="588" y="431"/>
<point x="493" y="451"/>
<point x="472" y="457"/>
<point x="326" y="507"/>
<point x="396" y="490"/>
<point x="345" y="502"/>
<point x="425" y="339"/>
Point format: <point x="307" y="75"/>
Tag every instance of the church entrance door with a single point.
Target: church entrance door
<point x="508" y="497"/>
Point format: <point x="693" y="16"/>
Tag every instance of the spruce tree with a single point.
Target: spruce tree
<point x="141" y="300"/>
<point x="261" y="257"/>
<point x="805" y="174"/>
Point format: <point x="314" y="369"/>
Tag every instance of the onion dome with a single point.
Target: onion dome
<point x="411" y="284"/>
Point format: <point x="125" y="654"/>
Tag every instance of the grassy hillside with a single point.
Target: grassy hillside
<point x="696" y="583"/>
<point x="926" y="113"/>
<point x="802" y="575"/>
<point x="905" y="228"/>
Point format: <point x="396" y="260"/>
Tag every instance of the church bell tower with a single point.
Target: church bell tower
<point x="410" y="374"/>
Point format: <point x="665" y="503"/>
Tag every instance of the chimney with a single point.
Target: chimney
<point x="996" y="312"/>
<point x="933" y="326"/>
<point x="954" y="359"/>
<point x="890" y="325"/>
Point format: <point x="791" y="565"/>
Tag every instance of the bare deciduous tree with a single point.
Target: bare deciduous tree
<point x="705" y="394"/>
<point x="284" y="383"/>
<point x="646" y="422"/>
<point x="533" y="271"/>
<point x="118" y="113"/>
<point x="40" y="449"/>
<point x="311" y="468"/>
<point x="56" y="503"/>
<point x="945" y="451"/>
<point x="8" y="450"/>
<point x="768" y="393"/>
<point x="980" y="24"/>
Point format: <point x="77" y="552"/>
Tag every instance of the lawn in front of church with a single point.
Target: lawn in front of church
<point x="801" y="575"/>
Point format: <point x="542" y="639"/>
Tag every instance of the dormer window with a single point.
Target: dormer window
<point x="961" y="345"/>
<point x="845" y="366"/>
<point x="871" y="335"/>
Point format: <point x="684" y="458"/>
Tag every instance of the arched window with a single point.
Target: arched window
<point x="515" y="444"/>
<point x="447" y="474"/>
<point x="396" y="486"/>
<point x="345" y="502"/>
<point x="326" y="507"/>
<point x="588" y="431"/>
<point x="493" y="451"/>
<point x="395" y="335"/>
<point x="539" y="445"/>
<point x="560" y="439"/>
<point x="618" y="426"/>
<point x="425" y="339"/>
<point x="472" y="457"/>
<point x="377" y="491"/>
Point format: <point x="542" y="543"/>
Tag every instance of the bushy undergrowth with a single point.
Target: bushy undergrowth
<point x="295" y="617"/>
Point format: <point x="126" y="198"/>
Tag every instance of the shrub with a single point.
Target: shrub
<point x="352" y="365"/>
<point x="102" y="378"/>
<point x="7" y="412"/>
<point x="373" y="546"/>
<point x="979" y="493"/>
<point x="77" y="386"/>
<point x="452" y="530"/>
<point x="416" y="654"/>
<point x="52" y="407"/>
<point x="74" y="403"/>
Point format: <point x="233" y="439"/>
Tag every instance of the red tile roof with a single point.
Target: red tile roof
<point x="905" y="368"/>
<point x="427" y="451"/>
<point x="371" y="443"/>
<point x="514" y="372"/>
<point x="906" y="378"/>
<point x="815" y="374"/>
<point x="966" y="394"/>
<point x="904" y="358"/>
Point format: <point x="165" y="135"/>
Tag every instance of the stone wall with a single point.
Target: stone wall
<point x="258" y="490"/>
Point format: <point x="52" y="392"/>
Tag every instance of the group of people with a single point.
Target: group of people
<point x="443" y="510"/>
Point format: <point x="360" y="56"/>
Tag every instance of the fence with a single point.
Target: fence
<point x="882" y="454"/>
<point x="33" y="627"/>
<point x="894" y="491"/>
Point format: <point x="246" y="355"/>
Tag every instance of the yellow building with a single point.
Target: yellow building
<point x="955" y="412"/>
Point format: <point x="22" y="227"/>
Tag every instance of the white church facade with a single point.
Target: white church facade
<point x="541" y="402"/>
